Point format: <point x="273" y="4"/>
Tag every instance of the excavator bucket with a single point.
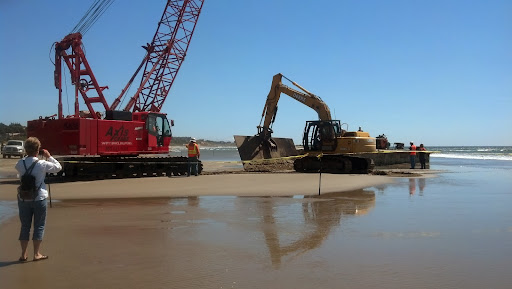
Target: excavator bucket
<point x="254" y="147"/>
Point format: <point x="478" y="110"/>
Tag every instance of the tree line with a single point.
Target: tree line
<point x="12" y="131"/>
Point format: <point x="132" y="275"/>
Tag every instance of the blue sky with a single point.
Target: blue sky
<point x="436" y="72"/>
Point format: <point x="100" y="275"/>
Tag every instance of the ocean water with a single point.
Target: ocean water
<point x="455" y="158"/>
<point x="501" y="153"/>
<point x="217" y="154"/>
<point x="451" y="156"/>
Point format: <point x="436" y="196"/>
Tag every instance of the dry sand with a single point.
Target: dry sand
<point x="211" y="184"/>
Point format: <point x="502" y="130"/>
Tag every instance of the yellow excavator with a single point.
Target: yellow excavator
<point x="327" y="146"/>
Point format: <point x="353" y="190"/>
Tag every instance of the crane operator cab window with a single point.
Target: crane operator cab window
<point x="158" y="125"/>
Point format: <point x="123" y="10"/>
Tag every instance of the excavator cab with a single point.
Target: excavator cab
<point x="321" y="135"/>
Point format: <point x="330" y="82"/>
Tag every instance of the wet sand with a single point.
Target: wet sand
<point x="100" y="232"/>
<point x="209" y="242"/>
<point x="269" y="231"/>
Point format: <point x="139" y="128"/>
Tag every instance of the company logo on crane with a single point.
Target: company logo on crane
<point x="116" y="135"/>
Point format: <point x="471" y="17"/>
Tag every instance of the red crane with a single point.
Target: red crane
<point x="112" y="144"/>
<point x="165" y="56"/>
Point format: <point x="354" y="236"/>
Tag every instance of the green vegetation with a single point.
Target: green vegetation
<point x="12" y="131"/>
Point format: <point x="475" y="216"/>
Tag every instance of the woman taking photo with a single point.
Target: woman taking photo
<point x="34" y="208"/>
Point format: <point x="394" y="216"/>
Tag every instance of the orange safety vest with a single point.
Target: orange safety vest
<point x="193" y="150"/>
<point x="413" y="150"/>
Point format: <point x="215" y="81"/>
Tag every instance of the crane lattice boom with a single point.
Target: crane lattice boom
<point x="166" y="54"/>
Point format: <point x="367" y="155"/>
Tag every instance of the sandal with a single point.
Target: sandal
<point x="41" y="258"/>
<point x="21" y="259"/>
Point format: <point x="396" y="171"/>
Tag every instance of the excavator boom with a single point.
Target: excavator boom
<point x="263" y="145"/>
<point x="305" y="97"/>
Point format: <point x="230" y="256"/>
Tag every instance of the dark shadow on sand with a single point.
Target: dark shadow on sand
<point x="9" y="263"/>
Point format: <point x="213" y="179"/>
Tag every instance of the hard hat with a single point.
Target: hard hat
<point x="193" y="139"/>
<point x="412" y="142"/>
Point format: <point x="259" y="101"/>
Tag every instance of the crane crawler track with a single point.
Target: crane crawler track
<point x="335" y="163"/>
<point x="98" y="168"/>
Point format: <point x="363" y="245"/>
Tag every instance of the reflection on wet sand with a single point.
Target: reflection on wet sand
<point x="278" y="242"/>
<point x="289" y="227"/>
<point x="412" y="185"/>
<point x="421" y="182"/>
<point x="321" y="214"/>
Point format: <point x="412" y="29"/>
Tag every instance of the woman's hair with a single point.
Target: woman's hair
<point x="32" y="146"/>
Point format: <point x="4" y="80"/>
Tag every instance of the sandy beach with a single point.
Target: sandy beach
<point x="93" y="226"/>
<point x="218" y="184"/>
<point x="266" y="230"/>
<point x="370" y="148"/>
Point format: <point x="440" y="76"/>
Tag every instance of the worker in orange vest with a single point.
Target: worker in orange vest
<point x="193" y="157"/>
<point x="412" y="154"/>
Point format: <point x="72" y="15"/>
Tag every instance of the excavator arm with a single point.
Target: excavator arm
<point x="263" y="145"/>
<point x="303" y="96"/>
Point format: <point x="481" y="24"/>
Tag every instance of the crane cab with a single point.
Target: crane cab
<point x="157" y="131"/>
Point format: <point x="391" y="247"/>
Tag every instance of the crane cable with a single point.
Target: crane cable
<point x="92" y="15"/>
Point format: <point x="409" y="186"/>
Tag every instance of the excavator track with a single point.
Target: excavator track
<point x="98" y="168"/>
<point x="334" y="163"/>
